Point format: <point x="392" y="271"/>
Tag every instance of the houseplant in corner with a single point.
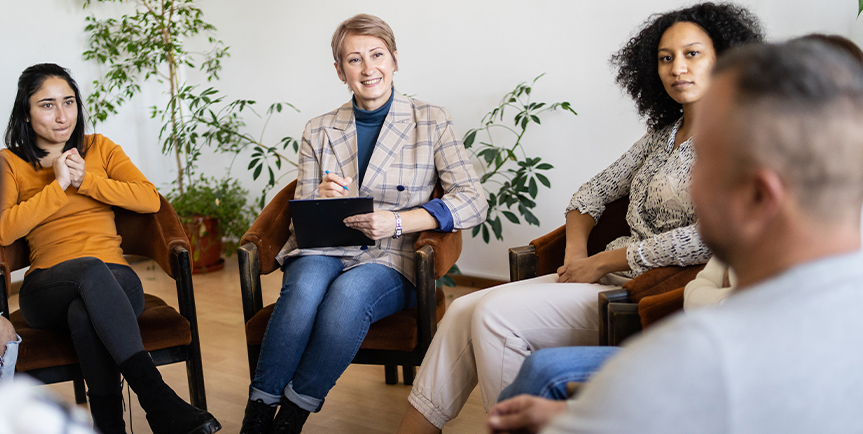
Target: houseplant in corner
<point x="151" y="44"/>
<point x="212" y="211"/>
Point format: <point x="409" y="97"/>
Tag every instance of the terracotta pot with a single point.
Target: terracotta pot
<point x="206" y="240"/>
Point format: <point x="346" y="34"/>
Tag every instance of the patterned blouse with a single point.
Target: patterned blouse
<point x="661" y="217"/>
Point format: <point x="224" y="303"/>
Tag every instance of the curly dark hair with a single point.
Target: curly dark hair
<point x="728" y="25"/>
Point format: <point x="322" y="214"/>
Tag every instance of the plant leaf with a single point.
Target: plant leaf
<point x="543" y="180"/>
<point x="510" y="216"/>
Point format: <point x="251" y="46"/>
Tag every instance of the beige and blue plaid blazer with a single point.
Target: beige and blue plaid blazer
<point x="417" y="146"/>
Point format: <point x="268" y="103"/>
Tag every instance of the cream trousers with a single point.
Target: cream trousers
<point x="485" y="336"/>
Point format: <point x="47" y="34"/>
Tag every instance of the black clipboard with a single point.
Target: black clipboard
<point x="319" y="222"/>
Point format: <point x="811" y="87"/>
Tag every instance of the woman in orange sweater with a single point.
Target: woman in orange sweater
<point x="57" y="187"/>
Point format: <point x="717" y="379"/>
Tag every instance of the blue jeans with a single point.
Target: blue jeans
<point x="320" y="319"/>
<point x="546" y="372"/>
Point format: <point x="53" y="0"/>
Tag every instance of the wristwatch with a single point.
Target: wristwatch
<point x="398" y="225"/>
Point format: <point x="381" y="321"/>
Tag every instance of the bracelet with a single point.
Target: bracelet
<point x="398" y="226"/>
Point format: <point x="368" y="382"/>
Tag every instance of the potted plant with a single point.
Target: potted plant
<point x="150" y="44"/>
<point x="212" y="211"/>
<point x="510" y="177"/>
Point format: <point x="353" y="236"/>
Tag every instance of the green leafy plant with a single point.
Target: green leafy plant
<point x="151" y="44"/>
<point x="510" y="176"/>
<point x="859" y="8"/>
<point x="223" y="199"/>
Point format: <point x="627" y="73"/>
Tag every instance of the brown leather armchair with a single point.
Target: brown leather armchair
<point x="399" y="339"/>
<point x="169" y="336"/>
<point x="619" y="310"/>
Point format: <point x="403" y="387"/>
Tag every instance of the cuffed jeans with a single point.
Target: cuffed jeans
<point x="98" y="304"/>
<point x="320" y="319"/>
<point x="485" y="336"/>
<point x="546" y="372"/>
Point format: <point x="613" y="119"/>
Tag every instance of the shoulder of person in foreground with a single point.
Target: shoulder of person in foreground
<point x="669" y="380"/>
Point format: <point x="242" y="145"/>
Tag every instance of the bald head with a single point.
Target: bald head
<point x="797" y="108"/>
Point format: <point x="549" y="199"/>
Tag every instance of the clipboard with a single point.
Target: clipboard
<point x="319" y="222"/>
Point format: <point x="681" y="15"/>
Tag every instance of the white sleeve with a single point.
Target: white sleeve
<point x="667" y="381"/>
<point x="707" y="288"/>
<point x="7" y="362"/>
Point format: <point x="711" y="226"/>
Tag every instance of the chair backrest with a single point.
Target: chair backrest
<point x="611" y="225"/>
<point x="271" y="229"/>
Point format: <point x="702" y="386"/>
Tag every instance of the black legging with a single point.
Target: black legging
<point x="97" y="303"/>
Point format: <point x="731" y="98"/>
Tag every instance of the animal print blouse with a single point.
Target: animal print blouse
<point x="661" y="217"/>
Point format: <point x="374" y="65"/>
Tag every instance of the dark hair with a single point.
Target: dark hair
<point x="20" y="137"/>
<point x="727" y="25"/>
<point x="836" y="41"/>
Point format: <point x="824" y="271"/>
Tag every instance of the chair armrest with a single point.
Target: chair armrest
<point x="522" y="263"/>
<point x="660" y="280"/>
<point x="542" y="256"/>
<point x="181" y="270"/>
<point x="6" y="281"/>
<point x="250" y="280"/>
<point x="426" y="292"/>
<point x="656" y="307"/>
<point x="623" y="322"/>
<point x="549" y="251"/>
<point x="606" y="298"/>
<point x="271" y="229"/>
<point x="446" y="246"/>
<point x="154" y="235"/>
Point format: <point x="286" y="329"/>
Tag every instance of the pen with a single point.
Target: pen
<point x="327" y="172"/>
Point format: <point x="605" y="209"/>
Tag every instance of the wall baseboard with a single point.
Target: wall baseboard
<point x="476" y="282"/>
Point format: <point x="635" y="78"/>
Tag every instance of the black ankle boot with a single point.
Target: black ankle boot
<point x="290" y="419"/>
<point x="258" y="417"/>
<point x="107" y="412"/>
<point x="166" y="412"/>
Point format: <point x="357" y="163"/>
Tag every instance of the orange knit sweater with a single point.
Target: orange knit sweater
<point x="61" y="225"/>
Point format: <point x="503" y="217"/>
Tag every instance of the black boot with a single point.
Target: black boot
<point x="107" y="412"/>
<point x="258" y="417"/>
<point x="166" y="412"/>
<point x="290" y="419"/>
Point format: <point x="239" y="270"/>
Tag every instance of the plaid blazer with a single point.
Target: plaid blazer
<point x="417" y="146"/>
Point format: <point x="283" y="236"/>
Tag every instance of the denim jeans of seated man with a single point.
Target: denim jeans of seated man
<point x="546" y="372"/>
<point x="320" y="319"/>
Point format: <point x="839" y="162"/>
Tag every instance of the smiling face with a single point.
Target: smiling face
<point x="686" y="58"/>
<point x="53" y="113"/>
<point x="367" y="68"/>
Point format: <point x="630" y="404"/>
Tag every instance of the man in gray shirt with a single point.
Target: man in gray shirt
<point x="778" y="189"/>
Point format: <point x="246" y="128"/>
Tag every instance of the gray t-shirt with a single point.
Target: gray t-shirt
<point x="783" y="356"/>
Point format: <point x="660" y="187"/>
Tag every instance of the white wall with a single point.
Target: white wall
<point x="462" y="54"/>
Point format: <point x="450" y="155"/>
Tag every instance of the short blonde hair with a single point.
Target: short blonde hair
<point x="362" y="24"/>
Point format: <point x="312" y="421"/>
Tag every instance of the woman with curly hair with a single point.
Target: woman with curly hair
<point x="485" y="336"/>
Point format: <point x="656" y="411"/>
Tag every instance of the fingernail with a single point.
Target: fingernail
<point x="326" y="172"/>
<point x="346" y="188"/>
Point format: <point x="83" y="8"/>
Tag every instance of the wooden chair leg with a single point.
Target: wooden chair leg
<point x="80" y="391"/>
<point x="408" y="373"/>
<point x="391" y="374"/>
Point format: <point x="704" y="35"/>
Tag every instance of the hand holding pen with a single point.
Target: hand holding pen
<point x="334" y="185"/>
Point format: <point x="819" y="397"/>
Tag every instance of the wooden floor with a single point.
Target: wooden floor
<point x="360" y="403"/>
